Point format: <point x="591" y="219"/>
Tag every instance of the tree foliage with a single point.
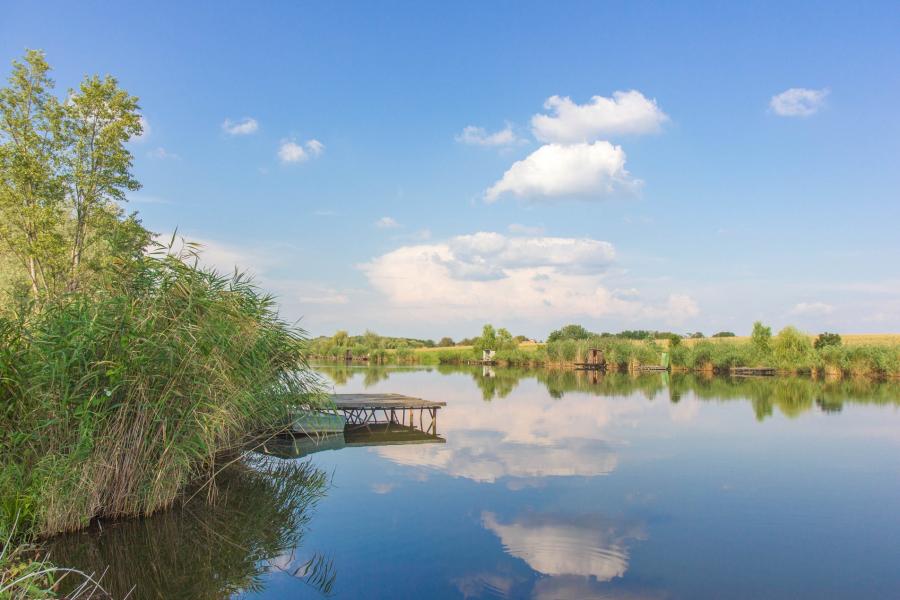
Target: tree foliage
<point x="569" y="332"/>
<point x="827" y="339"/>
<point x="64" y="169"/>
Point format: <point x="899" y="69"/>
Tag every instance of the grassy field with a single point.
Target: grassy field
<point x="849" y="339"/>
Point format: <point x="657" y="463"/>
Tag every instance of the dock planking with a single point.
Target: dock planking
<point x="382" y="401"/>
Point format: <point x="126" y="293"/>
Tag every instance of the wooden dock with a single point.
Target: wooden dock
<point x="753" y="371"/>
<point x="366" y="410"/>
<point x="590" y="366"/>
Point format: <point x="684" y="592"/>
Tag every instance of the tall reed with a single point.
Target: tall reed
<point x="113" y="401"/>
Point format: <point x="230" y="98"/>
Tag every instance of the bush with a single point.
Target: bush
<point x="827" y="339"/>
<point x="723" y="334"/>
<point x="793" y="351"/>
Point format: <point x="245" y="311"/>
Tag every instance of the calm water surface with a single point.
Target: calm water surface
<point x="551" y="485"/>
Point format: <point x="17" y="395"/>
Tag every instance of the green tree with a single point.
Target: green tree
<point x="761" y="340"/>
<point x="31" y="192"/>
<point x="828" y="339"/>
<point x="98" y="119"/>
<point x="793" y="349"/>
<point x="487" y="340"/>
<point x="64" y="167"/>
<point x="569" y="332"/>
<point x="340" y="338"/>
<point x="445" y="342"/>
<point x="505" y="340"/>
<point x="722" y="334"/>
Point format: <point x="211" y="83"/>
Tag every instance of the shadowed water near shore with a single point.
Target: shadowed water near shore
<point x="201" y="550"/>
<point x="548" y="484"/>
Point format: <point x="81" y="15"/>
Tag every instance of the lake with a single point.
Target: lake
<point x="548" y="484"/>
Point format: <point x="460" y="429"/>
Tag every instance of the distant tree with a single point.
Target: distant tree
<point x="466" y="342"/>
<point x="487" y="340"/>
<point x="635" y="334"/>
<point x="697" y="335"/>
<point x="340" y="338"/>
<point x="428" y="343"/>
<point x="569" y="332"/>
<point x="505" y="340"/>
<point x="792" y="348"/>
<point x="371" y="339"/>
<point x="445" y="342"/>
<point x="521" y="339"/>
<point x="761" y="339"/>
<point x="828" y="339"/>
<point x="674" y="340"/>
<point x="722" y="334"/>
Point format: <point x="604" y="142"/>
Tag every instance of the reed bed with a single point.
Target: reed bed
<point x="114" y="401"/>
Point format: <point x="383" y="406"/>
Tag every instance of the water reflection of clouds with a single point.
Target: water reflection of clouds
<point x="528" y="435"/>
<point x="587" y="546"/>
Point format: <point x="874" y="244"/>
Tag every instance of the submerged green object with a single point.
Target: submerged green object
<point x="312" y="422"/>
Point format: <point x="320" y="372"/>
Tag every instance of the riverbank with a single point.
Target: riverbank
<point x="790" y="352"/>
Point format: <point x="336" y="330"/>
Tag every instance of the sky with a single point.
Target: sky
<point x="421" y="169"/>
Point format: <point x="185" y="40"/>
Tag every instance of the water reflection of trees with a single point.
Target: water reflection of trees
<point x="792" y="396"/>
<point x="210" y="550"/>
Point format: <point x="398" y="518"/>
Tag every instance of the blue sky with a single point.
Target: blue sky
<point x="698" y="198"/>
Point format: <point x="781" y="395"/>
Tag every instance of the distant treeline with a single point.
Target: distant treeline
<point x="790" y="351"/>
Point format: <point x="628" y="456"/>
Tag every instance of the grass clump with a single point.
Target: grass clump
<point x="115" y="400"/>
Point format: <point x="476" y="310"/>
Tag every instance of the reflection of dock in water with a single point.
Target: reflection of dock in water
<point x="380" y="434"/>
<point x="369" y="420"/>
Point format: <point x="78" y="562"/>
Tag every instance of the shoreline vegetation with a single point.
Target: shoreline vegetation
<point x="789" y="352"/>
<point x="129" y="373"/>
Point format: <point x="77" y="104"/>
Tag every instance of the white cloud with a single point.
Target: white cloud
<point x="292" y="152"/>
<point x="798" y="102"/>
<point x="477" y="136"/>
<point x="262" y="261"/>
<point x="625" y="113"/>
<point x="508" y="277"/>
<point x="589" y="171"/>
<point x="315" y="147"/>
<point x="817" y="309"/>
<point x="245" y="126"/>
<point x="386" y="223"/>
<point x="161" y="153"/>
<point x="145" y="133"/>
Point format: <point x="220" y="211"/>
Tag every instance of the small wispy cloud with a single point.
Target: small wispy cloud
<point x="291" y="152"/>
<point x="525" y="229"/>
<point x="478" y="136"/>
<point x="161" y="153"/>
<point x="798" y="102"/>
<point x="139" y="198"/>
<point x="245" y="126"/>
<point x="809" y="309"/>
<point x="386" y="223"/>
